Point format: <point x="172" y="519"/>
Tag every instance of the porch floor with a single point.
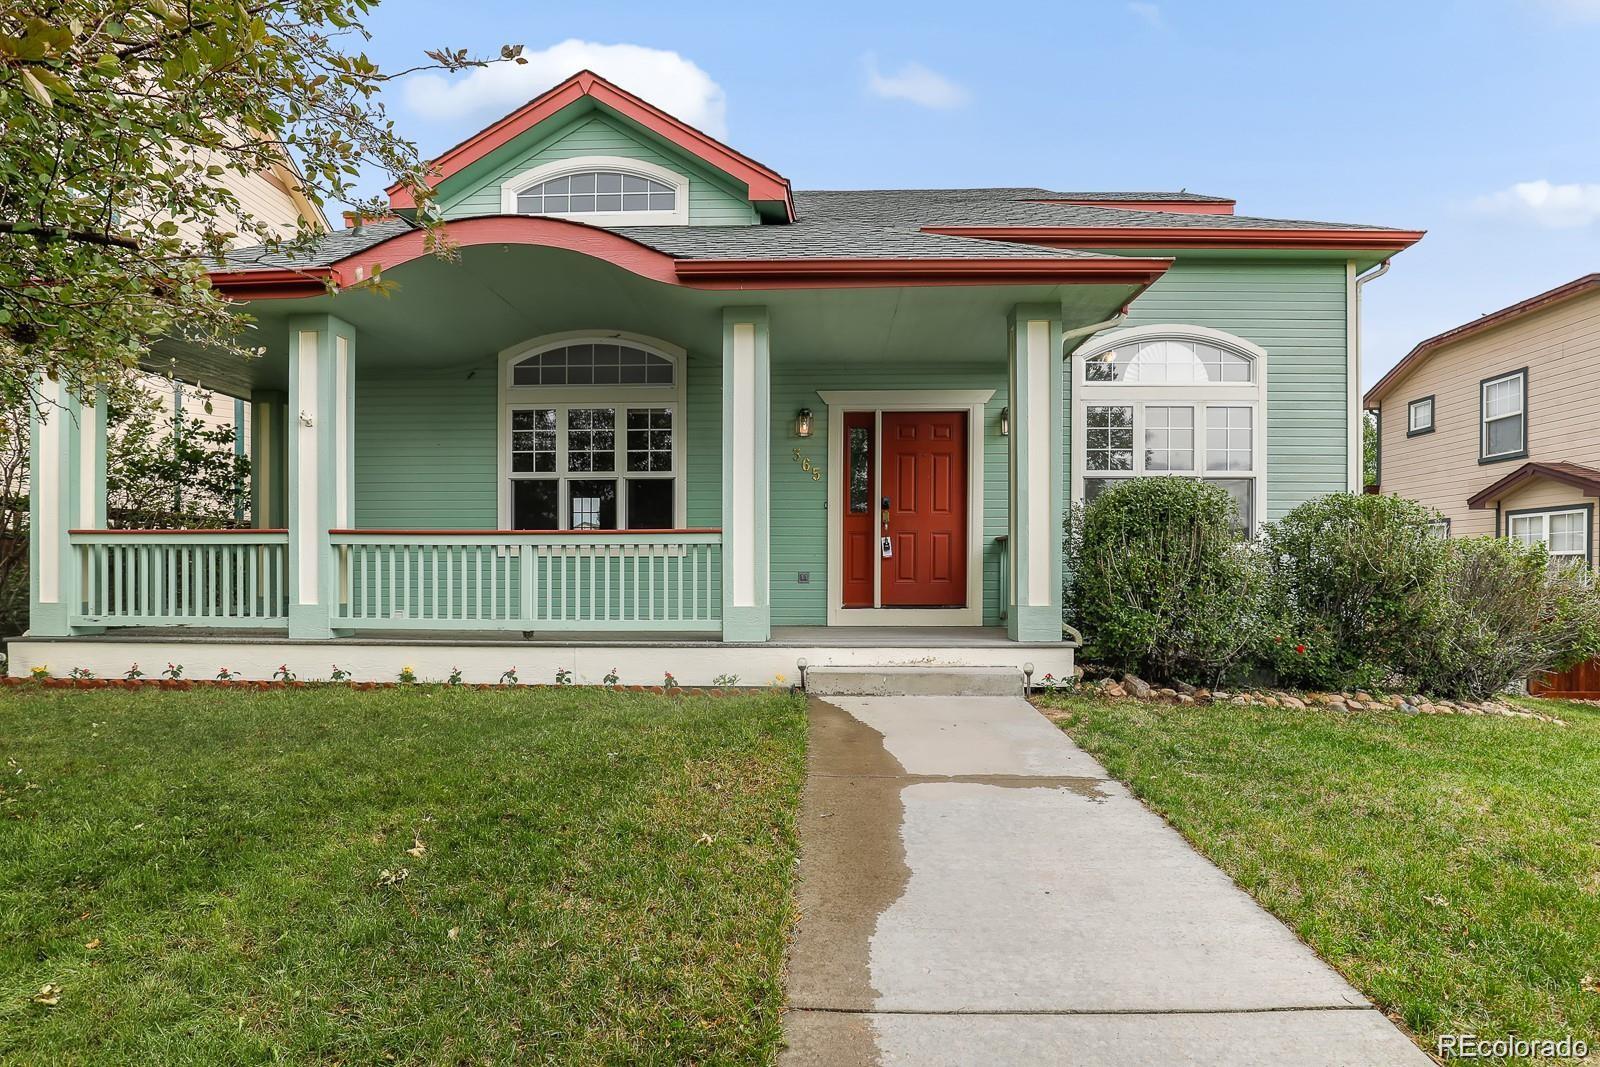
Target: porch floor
<point x="782" y="637"/>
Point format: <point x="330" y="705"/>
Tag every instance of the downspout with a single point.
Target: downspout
<point x="1357" y="430"/>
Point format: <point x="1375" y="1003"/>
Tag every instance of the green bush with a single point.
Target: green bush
<point x="1161" y="583"/>
<point x="1502" y="614"/>
<point x="1352" y="586"/>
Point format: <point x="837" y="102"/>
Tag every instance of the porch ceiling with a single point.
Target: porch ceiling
<point x="457" y="313"/>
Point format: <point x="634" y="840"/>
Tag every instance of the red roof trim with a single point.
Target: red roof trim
<point x="1586" y="478"/>
<point x="1576" y="287"/>
<point x="1188" y="237"/>
<point x="598" y="243"/>
<point x="764" y="183"/>
<point x="1171" y="207"/>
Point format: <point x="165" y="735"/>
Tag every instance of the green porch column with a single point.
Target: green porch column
<point x="1037" y="475"/>
<point x="67" y="491"/>
<point x="321" y="465"/>
<point x="746" y="459"/>
<point x="269" y="454"/>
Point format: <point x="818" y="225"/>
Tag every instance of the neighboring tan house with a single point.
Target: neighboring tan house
<point x="660" y="412"/>
<point x="1496" y="423"/>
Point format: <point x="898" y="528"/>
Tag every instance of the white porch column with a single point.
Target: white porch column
<point x="66" y="491"/>
<point x="746" y="468"/>
<point x="1037" y="443"/>
<point x="321" y="453"/>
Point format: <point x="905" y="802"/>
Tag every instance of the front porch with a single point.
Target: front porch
<point x="537" y="450"/>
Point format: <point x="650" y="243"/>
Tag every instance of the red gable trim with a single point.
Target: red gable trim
<point x="1188" y="237"/>
<point x="1585" y="478"/>
<point x="1171" y="207"/>
<point x="1576" y="287"/>
<point x="764" y="183"/>
<point x="598" y="243"/>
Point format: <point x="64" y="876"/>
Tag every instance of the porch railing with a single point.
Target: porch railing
<point x="180" y="578"/>
<point x="514" y="580"/>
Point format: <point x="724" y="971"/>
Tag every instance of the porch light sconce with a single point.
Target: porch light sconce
<point x="803" y="423"/>
<point x="1005" y="422"/>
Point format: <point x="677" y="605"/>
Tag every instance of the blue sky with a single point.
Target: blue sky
<point x="1437" y="116"/>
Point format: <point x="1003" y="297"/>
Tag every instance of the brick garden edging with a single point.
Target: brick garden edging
<point x="1132" y="687"/>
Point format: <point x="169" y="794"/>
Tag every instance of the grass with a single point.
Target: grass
<point x="593" y="877"/>
<point x="1448" y="865"/>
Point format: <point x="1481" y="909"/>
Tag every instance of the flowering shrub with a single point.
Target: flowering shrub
<point x="408" y="675"/>
<point x="455" y="676"/>
<point x="283" y="673"/>
<point x="225" y="675"/>
<point x="173" y="672"/>
<point x="669" y="682"/>
<point x="563" y="676"/>
<point x="339" y="674"/>
<point x="509" y="677"/>
<point x="80" y="674"/>
<point x="133" y="673"/>
<point x="40" y="671"/>
<point x="612" y="677"/>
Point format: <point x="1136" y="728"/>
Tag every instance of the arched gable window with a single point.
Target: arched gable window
<point x="591" y="434"/>
<point x="1171" y="400"/>
<point x="603" y="190"/>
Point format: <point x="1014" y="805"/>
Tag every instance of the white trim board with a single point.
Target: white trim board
<point x="840" y="401"/>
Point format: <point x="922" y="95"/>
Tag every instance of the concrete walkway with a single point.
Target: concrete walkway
<point x="975" y="890"/>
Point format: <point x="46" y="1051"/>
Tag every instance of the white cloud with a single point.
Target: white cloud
<point x="1555" y="207"/>
<point x="915" y="83"/>
<point x="1148" y="13"/>
<point x="666" y="79"/>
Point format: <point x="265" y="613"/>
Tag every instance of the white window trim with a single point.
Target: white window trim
<point x="1483" y="416"/>
<point x="561" y="397"/>
<point x="678" y="216"/>
<point x="1198" y="395"/>
<point x="1412" y="407"/>
<point x="839" y="402"/>
<point x="1544" y="515"/>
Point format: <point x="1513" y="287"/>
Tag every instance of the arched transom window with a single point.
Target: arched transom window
<point x="597" y="192"/>
<point x="593" y="363"/>
<point x="600" y="190"/>
<point x="1173" y="400"/>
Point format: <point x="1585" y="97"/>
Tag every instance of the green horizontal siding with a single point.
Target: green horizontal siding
<point x="476" y="190"/>
<point x="425" y="448"/>
<point x="800" y="504"/>
<point x="1295" y="309"/>
<point x="702" y="457"/>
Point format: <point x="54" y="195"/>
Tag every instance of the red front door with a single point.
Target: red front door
<point x="857" y="508"/>
<point x="925" y="508"/>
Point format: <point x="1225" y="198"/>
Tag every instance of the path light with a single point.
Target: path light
<point x="801" y="665"/>
<point x="1027" y="676"/>
<point x="803" y="423"/>
<point x="1005" y="422"/>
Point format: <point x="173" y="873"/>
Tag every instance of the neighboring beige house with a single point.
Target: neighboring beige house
<point x="1496" y="423"/>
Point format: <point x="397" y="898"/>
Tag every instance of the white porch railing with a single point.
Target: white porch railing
<point x="180" y="577"/>
<point x="513" y="580"/>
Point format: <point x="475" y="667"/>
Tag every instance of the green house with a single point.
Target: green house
<point x="660" y="412"/>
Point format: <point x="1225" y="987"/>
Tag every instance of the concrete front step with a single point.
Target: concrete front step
<point x="915" y="681"/>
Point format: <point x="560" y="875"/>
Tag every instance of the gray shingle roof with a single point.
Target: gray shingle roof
<point x="860" y="224"/>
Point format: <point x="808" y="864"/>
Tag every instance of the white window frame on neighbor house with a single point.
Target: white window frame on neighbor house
<point x="1484" y="419"/>
<point x="839" y="403"/>
<point x="1534" y="526"/>
<point x="678" y="216"/>
<point x="565" y="397"/>
<point x="1197" y="396"/>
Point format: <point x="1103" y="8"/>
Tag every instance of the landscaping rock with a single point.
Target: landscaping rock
<point x="1294" y="702"/>
<point x="1112" y="689"/>
<point x="1136" y="687"/>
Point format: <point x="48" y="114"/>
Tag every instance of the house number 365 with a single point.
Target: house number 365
<point x="805" y="465"/>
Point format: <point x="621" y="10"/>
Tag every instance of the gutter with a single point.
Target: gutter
<point x="1094" y="327"/>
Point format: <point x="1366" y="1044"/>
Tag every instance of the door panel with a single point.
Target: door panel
<point x="856" y="509"/>
<point x="927" y="508"/>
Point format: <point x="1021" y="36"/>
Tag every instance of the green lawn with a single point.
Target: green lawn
<point x="1449" y="866"/>
<point x="595" y="877"/>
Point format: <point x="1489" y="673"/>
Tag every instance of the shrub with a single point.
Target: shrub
<point x="1503" y="614"/>
<point x="1351" y="590"/>
<point x="1161" y="583"/>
